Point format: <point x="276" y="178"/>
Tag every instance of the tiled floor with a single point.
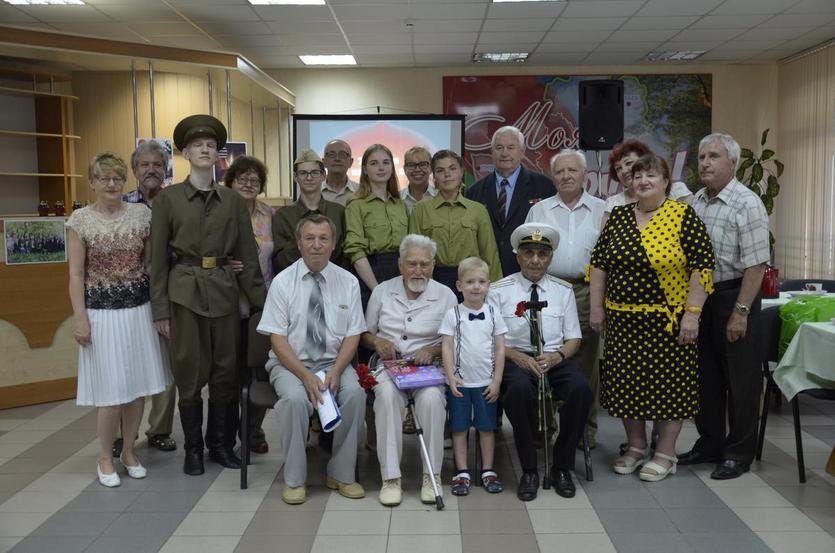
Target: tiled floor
<point x="50" y="501"/>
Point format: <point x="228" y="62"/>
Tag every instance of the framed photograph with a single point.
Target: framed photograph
<point x="226" y="156"/>
<point x="37" y="240"/>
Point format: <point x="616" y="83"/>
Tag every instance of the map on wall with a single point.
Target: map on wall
<point x="670" y="113"/>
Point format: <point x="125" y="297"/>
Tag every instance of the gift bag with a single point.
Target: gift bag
<point x="406" y="375"/>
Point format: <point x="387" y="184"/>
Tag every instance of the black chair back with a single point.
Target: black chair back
<point x="258" y="346"/>
<point x="799" y="284"/>
<point x="769" y="327"/>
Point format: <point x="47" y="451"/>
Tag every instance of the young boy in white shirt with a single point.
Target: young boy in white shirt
<point x="473" y="354"/>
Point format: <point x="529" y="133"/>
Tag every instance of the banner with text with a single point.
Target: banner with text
<point x="670" y="113"/>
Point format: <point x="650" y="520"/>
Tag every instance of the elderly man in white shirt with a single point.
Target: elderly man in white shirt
<point x="578" y="217"/>
<point x="534" y="244"/>
<point x="314" y="318"/>
<point x="403" y="316"/>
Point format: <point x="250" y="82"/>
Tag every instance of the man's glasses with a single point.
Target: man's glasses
<point x="411" y="166"/>
<point x="315" y="174"/>
<point x="337" y="155"/>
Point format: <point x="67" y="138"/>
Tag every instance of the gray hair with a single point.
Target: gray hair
<point x="508" y="129"/>
<point x="316" y="219"/>
<point x="148" y="147"/>
<point x="566" y="152"/>
<point x="417" y="241"/>
<point x="731" y="145"/>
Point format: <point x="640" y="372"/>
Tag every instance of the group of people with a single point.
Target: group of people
<point x="432" y="274"/>
<point x="33" y="242"/>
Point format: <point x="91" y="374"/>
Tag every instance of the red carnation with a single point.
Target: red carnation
<point x="521" y="307"/>
<point x="366" y="379"/>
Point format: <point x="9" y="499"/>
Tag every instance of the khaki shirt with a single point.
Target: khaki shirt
<point x="190" y="227"/>
<point x="286" y="250"/>
<point x="461" y="229"/>
<point x="374" y="226"/>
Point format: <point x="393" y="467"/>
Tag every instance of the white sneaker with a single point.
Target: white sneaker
<point x="427" y="492"/>
<point x="391" y="494"/>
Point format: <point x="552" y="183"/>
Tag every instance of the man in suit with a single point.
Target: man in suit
<point x="510" y="191"/>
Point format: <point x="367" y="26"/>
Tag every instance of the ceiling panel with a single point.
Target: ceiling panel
<point x="531" y="10"/>
<point x="502" y="38"/>
<point x="193" y="42"/>
<point x="375" y="49"/>
<point x="249" y="41"/>
<point x="684" y="45"/>
<point x="220" y="14"/>
<point x="448" y="10"/>
<point x="445" y="38"/>
<point x="542" y="24"/>
<point x="443" y="48"/>
<point x="244" y="29"/>
<point x="628" y="47"/>
<point x="430" y="60"/>
<point x="163" y="28"/>
<point x="799" y="20"/>
<point x="687" y="7"/>
<point x="567" y="48"/>
<point x="746" y="7"/>
<point x="378" y="38"/>
<point x="611" y="58"/>
<point x="773" y="34"/>
<point x="555" y="58"/>
<point x="576" y="36"/>
<point x="311" y="40"/>
<point x="138" y="12"/>
<point x="306" y="26"/>
<point x="587" y="23"/>
<point x="50" y="14"/>
<point x="602" y="8"/>
<point x="643" y="36"/>
<point x="363" y="12"/>
<point x="729" y="21"/>
<point x="650" y="23"/>
<point x="292" y="13"/>
<point x="813" y="6"/>
<point x="446" y="25"/>
<point x="505" y="47"/>
<point x="11" y="15"/>
<point x="384" y="60"/>
<point x="708" y="34"/>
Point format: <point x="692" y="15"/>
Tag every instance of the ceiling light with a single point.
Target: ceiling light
<point x="681" y="55"/>
<point x="338" y="59"/>
<point x="287" y="2"/>
<point x="500" y="57"/>
<point x="45" y="2"/>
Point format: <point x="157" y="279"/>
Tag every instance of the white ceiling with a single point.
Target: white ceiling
<point x="388" y="33"/>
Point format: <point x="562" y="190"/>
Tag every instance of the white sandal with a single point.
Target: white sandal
<point x="660" y="472"/>
<point x="630" y="464"/>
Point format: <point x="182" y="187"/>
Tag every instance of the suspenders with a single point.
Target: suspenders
<point x="457" y="339"/>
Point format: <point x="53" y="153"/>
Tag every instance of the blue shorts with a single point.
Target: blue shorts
<point x="471" y="410"/>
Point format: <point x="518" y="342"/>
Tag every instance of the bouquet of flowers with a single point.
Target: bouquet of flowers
<point x="366" y="376"/>
<point x="522" y="311"/>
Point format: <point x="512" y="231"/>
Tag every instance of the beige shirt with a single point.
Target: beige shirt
<point x="342" y="196"/>
<point x="409" y="324"/>
<point x="410" y="200"/>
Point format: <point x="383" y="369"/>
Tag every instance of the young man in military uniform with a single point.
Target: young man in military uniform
<point x="195" y="292"/>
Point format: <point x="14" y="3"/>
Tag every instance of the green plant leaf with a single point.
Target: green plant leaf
<point x="767" y="154"/>
<point x="773" y="187"/>
<point x="757" y="172"/>
<point x="769" y="203"/>
<point x="745" y="153"/>
<point x="743" y="167"/>
<point x="780" y="168"/>
<point x="765" y="137"/>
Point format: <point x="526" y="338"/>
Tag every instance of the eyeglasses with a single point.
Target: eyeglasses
<point x="114" y="180"/>
<point x="315" y="174"/>
<point x="253" y="182"/>
<point x="411" y="166"/>
<point x="342" y="154"/>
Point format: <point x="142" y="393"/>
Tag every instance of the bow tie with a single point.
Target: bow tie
<point x="480" y="316"/>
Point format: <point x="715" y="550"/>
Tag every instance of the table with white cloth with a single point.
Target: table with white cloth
<point x="808" y="361"/>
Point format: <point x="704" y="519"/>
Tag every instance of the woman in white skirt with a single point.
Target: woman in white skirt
<point x="119" y="361"/>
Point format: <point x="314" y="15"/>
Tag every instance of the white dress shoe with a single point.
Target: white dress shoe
<point x="135" y="471"/>
<point x="108" y="480"/>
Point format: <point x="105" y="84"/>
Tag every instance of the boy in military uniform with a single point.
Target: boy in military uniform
<point x="195" y="292"/>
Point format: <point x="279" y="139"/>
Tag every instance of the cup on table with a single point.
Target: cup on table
<point x="813" y="286"/>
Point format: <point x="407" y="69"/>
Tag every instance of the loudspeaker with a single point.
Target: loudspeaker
<point x="601" y="114"/>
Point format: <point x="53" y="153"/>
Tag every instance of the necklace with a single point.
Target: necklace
<point x="641" y="209"/>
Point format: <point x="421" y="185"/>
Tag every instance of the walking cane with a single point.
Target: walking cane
<point x="544" y="392"/>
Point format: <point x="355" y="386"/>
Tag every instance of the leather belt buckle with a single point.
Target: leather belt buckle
<point x="209" y="262"/>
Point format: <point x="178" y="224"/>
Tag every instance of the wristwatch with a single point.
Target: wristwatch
<point x="742" y="309"/>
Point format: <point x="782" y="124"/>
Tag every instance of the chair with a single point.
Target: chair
<point x="799" y="284"/>
<point x="769" y="322"/>
<point x="818" y="393"/>
<point x="255" y="386"/>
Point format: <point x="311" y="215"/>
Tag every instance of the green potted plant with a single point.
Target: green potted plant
<point x="761" y="174"/>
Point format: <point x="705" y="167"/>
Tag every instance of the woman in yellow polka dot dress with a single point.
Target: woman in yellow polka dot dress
<point x="651" y="271"/>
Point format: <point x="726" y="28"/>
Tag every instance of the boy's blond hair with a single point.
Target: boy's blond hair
<point x="472" y="264"/>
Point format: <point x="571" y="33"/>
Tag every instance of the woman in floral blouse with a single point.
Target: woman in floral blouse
<point x="120" y="360"/>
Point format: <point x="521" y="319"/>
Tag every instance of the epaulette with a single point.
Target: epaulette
<point x="506" y="281"/>
<point x="558" y="280"/>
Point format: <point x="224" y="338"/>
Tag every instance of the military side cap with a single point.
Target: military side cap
<point x="536" y="234"/>
<point x="199" y="126"/>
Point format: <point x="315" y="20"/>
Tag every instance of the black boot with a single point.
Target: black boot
<point x="223" y="427"/>
<point x="192" y="421"/>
